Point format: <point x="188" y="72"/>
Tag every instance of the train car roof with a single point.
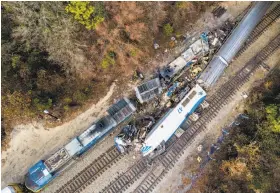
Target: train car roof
<point x="172" y="120"/>
<point x="121" y="110"/>
<point x="188" y="54"/>
<point x="7" y="190"/>
<point x="148" y="90"/>
<point x="96" y="129"/>
<point x="173" y="67"/>
<point x="199" y="46"/>
<point x="63" y="155"/>
<point x="38" y="176"/>
<point x="183" y="102"/>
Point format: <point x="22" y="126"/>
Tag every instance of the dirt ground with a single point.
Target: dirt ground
<point x="32" y="142"/>
<point x="29" y="142"/>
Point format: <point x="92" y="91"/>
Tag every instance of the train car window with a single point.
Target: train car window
<point x="192" y="94"/>
<point x="143" y="88"/>
<point x="185" y="102"/>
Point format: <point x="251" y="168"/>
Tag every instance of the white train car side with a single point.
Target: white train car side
<point x="167" y="126"/>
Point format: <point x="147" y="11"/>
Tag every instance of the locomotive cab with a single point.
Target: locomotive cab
<point x="37" y="177"/>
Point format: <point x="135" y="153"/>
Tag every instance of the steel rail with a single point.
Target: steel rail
<point x="175" y="151"/>
<point x="111" y="156"/>
<point x="91" y="172"/>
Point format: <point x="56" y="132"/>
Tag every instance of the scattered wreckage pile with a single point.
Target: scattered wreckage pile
<point x="170" y="85"/>
<point x="219" y="11"/>
<point x="218" y="36"/>
<point x="134" y="134"/>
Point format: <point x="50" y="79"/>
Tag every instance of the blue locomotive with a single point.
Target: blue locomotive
<point x="44" y="171"/>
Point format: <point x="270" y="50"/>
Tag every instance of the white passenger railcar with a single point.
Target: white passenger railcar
<point x="167" y="126"/>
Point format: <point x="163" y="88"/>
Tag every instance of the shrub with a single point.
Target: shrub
<point x="273" y="117"/>
<point x="85" y="13"/>
<point x="133" y="52"/>
<point x="40" y="105"/>
<point x="79" y="96"/>
<point x="15" y="60"/>
<point x="108" y="60"/>
<point x="67" y="100"/>
<point x="168" y="29"/>
<point x="16" y="104"/>
<point x="182" y="5"/>
<point x="112" y="54"/>
<point x="66" y="107"/>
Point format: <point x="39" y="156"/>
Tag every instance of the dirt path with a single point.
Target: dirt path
<point x="32" y="142"/>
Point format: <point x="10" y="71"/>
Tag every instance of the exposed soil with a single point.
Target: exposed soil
<point x="32" y="142"/>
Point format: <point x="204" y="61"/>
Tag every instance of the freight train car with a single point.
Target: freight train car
<point x="172" y="120"/>
<point x="44" y="171"/>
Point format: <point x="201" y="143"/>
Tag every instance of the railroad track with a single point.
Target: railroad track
<point x="217" y="101"/>
<point x="175" y="150"/>
<point x="91" y="172"/>
<point x="111" y="156"/>
<point x="154" y="176"/>
<point x="268" y="20"/>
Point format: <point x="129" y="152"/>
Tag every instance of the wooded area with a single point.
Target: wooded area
<point x="60" y="55"/>
<point x="249" y="158"/>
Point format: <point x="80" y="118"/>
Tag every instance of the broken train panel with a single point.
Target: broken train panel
<point x="148" y="90"/>
<point x="199" y="48"/>
<point x="133" y="134"/>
